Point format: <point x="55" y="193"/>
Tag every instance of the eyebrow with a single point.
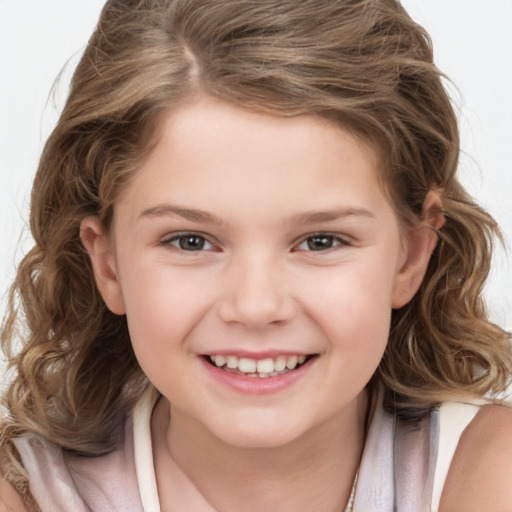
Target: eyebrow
<point x="191" y="214"/>
<point x="201" y="216"/>
<point x="331" y="215"/>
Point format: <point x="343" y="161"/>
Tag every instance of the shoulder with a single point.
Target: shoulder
<point x="10" y="501"/>
<point x="480" y="473"/>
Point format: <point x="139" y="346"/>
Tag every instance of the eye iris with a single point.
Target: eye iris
<point x="320" y="242"/>
<point x="191" y="243"/>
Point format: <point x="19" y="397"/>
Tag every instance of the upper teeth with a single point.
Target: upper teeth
<point x="258" y="366"/>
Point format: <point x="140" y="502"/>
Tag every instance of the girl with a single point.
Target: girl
<point x="256" y="281"/>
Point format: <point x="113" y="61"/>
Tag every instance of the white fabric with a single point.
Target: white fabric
<point x="397" y="466"/>
<point x="454" y="417"/>
<point x="146" y="477"/>
<point x="185" y="495"/>
<point x="403" y="467"/>
<point x="374" y="492"/>
<point x="63" y="482"/>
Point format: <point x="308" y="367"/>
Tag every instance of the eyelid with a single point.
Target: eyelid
<point x="172" y="237"/>
<point x="343" y="241"/>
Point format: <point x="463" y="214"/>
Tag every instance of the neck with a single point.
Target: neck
<point x="313" y="472"/>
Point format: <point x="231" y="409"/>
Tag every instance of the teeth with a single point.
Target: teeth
<point x="265" y="365"/>
<point x="220" y="361"/>
<point x="232" y="362"/>
<point x="291" y="363"/>
<point x="247" y="365"/>
<point x="280" y="363"/>
<point x="261" y="368"/>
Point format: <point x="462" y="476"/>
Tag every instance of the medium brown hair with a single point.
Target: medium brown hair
<point x="361" y="63"/>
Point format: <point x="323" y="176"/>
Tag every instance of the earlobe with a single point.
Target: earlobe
<point x="420" y="244"/>
<point x="101" y="253"/>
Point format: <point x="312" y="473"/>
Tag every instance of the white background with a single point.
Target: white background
<point x="473" y="46"/>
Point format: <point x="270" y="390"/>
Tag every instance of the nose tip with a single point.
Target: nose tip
<point x="253" y="314"/>
<point x="256" y="298"/>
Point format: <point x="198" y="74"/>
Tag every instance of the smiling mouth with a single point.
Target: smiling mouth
<point x="259" y="368"/>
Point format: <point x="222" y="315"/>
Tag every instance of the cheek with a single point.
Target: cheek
<point x="354" y="306"/>
<point x="359" y="294"/>
<point x="162" y="306"/>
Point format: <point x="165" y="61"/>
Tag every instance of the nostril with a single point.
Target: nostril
<point x="255" y="299"/>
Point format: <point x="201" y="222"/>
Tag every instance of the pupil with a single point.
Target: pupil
<point x="191" y="243"/>
<point x="319" y="243"/>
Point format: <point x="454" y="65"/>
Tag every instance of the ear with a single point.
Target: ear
<point x="420" y="244"/>
<point x="101" y="252"/>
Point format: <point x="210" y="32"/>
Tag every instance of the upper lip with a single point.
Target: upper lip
<point x="266" y="354"/>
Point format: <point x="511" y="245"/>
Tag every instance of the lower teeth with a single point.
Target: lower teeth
<point x="258" y="375"/>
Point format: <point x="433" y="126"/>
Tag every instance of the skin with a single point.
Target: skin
<point x="479" y="476"/>
<point x="255" y="190"/>
<point x="9" y="499"/>
<point x="258" y="286"/>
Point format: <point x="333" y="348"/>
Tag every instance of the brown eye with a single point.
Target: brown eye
<point x="320" y="242"/>
<point x="189" y="242"/>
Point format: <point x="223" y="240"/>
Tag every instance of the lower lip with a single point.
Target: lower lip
<point x="257" y="385"/>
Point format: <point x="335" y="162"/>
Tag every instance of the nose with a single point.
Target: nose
<point x="255" y="293"/>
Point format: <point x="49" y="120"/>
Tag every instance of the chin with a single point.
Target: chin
<point x="259" y="435"/>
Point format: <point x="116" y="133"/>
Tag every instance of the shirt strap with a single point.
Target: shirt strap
<point x="454" y="417"/>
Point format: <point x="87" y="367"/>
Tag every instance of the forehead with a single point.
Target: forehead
<point x="227" y="156"/>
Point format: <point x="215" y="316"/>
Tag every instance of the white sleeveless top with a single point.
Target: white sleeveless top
<point x="403" y="467"/>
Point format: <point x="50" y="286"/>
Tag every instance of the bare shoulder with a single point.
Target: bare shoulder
<point x="9" y="498"/>
<point x="480" y="475"/>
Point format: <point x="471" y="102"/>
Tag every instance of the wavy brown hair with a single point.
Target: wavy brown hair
<point x="361" y="63"/>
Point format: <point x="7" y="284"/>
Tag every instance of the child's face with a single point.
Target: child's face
<point x="258" y="237"/>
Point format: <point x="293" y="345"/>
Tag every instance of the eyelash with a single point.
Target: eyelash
<point x="333" y="240"/>
<point x="176" y="241"/>
<point x="179" y="239"/>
